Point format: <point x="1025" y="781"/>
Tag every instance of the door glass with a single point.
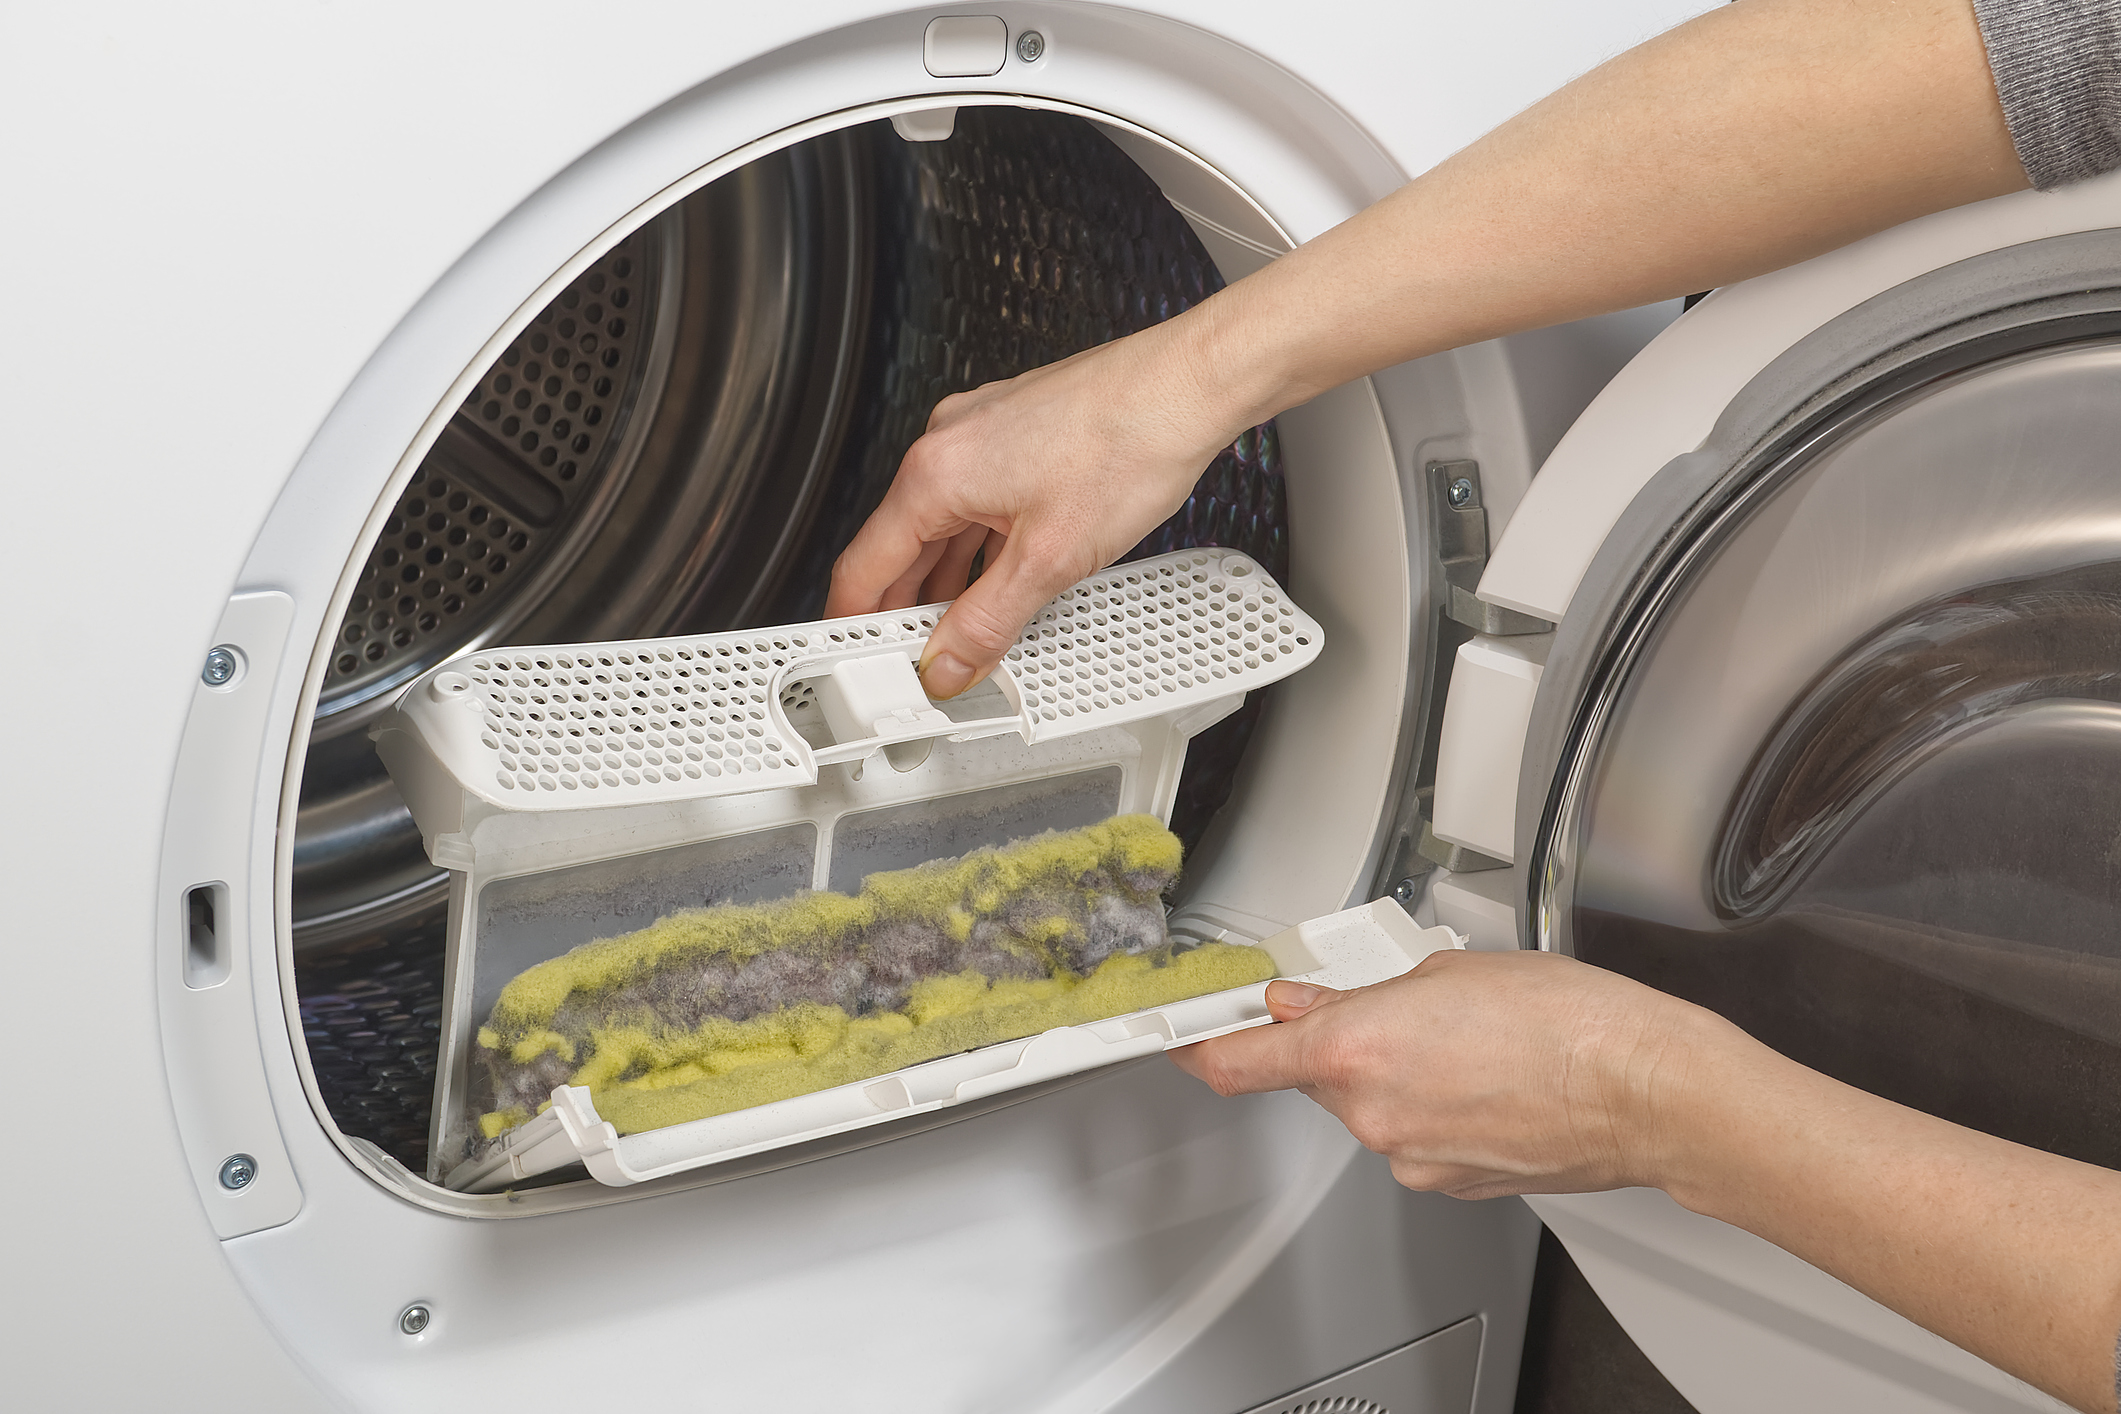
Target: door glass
<point x="1861" y="793"/>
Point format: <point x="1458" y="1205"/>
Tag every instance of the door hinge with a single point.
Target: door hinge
<point x="1461" y="522"/>
<point x="1416" y="850"/>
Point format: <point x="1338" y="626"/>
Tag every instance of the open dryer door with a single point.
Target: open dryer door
<point x="1828" y="739"/>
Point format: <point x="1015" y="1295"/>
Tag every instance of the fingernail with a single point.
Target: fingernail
<point x="944" y="676"/>
<point x="1296" y="995"/>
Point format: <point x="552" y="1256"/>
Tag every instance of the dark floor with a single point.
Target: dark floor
<point x="1577" y="1359"/>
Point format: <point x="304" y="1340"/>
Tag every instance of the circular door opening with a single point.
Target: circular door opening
<point x="681" y="442"/>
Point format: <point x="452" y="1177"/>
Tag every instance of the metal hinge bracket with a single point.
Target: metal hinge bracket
<point x="1461" y="522"/>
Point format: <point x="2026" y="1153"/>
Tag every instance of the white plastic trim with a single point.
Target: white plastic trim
<point x="965" y="46"/>
<point x="1478" y="905"/>
<point x="1490" y="704"/>
<point x="210" y="1038"/>
<point x="1354" y="948"/>
<point x="927" y="125"/>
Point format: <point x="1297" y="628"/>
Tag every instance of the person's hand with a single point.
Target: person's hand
<point x="1481" y="1074"/>
<point x="1055" y="474"/>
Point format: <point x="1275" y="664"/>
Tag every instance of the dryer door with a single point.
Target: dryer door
<point x="1829" y="741"/>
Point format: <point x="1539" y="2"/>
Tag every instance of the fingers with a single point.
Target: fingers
<point x="1055" y="472"/>
<point x="1288" y="1000"/>
<point x="888" y="549"/>
<point x="899" y="545"/>
<point x="1265" y="1057"/>
<point x="1247" y="1062"/>
<point x="987" y="618"/>
<point x="905" y="591"/>
<point x="953" y="568"/>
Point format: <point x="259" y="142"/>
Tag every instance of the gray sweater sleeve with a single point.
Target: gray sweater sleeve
<point x="2058" y="71"/>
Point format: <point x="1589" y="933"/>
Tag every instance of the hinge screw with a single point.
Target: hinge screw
<point x="238" y="1171"/>
<point x="1030" y="45"/>
<point x="1406" y="891"/>
<point x="220" y="669"/>
<point x="1461" y="493"/>
<point x="414" y="1318"/>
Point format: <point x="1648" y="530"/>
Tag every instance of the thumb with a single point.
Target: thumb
<point x="987" y="618"/>
<point x="1288" y="1000"/>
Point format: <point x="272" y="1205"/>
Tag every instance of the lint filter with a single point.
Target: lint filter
<point x="717" y="894"/>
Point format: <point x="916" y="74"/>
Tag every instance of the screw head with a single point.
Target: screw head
<point x="238" y="1172"/>
<point x="414" y="1318"/>
<point x="1030" y="45"/>
<point x="1406" y="891"/>
<point x="1460" y="493"/>
<point x="221" y="666"/>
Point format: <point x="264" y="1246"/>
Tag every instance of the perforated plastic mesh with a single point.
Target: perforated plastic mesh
<point x="1173" y="625"/>
<point x="603" y="716"/>
<point x="681" y="718"/>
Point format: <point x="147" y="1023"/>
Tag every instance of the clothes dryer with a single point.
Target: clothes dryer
<point x="818" y="218"/>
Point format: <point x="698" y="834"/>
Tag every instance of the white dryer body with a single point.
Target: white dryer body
<point x="350" y="221"/>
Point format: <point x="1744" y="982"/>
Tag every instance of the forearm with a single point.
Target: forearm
<point x="1481" y="1074"/>
<point x="1752" y="137"/>
<point x="2010" y="1252"/>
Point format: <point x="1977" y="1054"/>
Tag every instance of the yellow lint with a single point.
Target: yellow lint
<point x="729" y="1065"/>
<point x="738" y="932"/>
<point x="645" y="1073"/>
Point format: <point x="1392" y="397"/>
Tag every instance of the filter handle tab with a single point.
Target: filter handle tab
<point x="872" y="700"/>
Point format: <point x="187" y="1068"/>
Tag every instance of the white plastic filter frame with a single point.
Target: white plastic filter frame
<point x="552" y="730"/>
<point x="750" y="847"/>
<point x="1358" y="947"/>
<point x="538" y="762"/>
